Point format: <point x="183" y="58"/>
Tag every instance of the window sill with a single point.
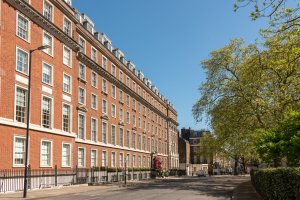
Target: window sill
<point x="81" y="80"/>
<point x="82" y="108"/>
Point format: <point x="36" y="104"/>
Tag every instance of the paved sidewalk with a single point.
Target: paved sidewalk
<point x="51" y="192"/>
<point x="57" y="191"/>
<point x="245" y="191"/>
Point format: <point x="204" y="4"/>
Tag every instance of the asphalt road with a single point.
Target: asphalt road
<point x="187" y="188"/>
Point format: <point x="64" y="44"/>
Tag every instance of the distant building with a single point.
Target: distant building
<point x="222" y="165"/>
<point x="173" y="141"/>
<point x="184" y="154"/>
<point x="203" y="161"/>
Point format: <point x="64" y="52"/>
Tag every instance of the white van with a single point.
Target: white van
<point x="201" y="173"/>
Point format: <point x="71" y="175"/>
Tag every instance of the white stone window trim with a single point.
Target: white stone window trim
<point x="121" y="76"/>
<point x="96" y="106"/>
<point x="15" y="103"/>
<point x="51" y="153"/>
<point x="105" y="67"/>
<point x="121" y="164"/>
<point x="52" y="44"/>
<point x="84" y="157"/>
<point x="93" y="72"/>
<point x="81" y="38"/>
<point x="70" y="50"/>
<point x="29" y="27"/>
<point x="127" y="117"/>
<point x="96" y="59"/>
<point x="27" y="52"/>
<point x="115" y="159"/>
<point x="94" y="118"/>
<point x="52" y="111"/>
<point x="52" y="74"/>
<point x="106" y="131"/>
<point x="114" y="97"/>
<point x="127" y="141"/>
<point x="84" y="67"/>
<point x="106" y="108"/>
<point x="105" y="158"/>
<point x="84" y="131"/>
<point x="127" y="81"/>
<point x="70" y="154"/>
<point x="62" y="118"/>
<point x="104" y="88"/>
<point x="14" y="140"/>
<point x="113" y="114"/>
<point x="84" y="99"/>
<point x="96" y="161"/>
<point x="114" y="73"/>
<point x="115" y="141"/>
<point x="66" y="18"/>
<point x="121" y="143"/>
<point x="52" y="20"/>
<point x="70" y="92"/>
<point x="128" y="100"/>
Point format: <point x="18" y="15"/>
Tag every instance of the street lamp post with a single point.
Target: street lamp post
<point x="125" y="172"/>
<point x="28" y="115"/>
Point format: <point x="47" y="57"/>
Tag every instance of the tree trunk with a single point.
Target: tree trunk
<point x="277" y="162"/>
<point x="244" y="165"/>
<point x="236" y="160"/>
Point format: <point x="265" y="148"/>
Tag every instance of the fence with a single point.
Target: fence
<point x="13" y="179"/>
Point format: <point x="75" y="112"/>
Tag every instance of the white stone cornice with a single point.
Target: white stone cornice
<point x="35" y="127"/>
<point x="101" y="144"/>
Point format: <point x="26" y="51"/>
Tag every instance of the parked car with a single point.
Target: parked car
<point x="201" y="173"/>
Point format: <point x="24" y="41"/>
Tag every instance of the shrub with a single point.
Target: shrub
<point x="138" y="169"/>
<point x="99" y="168"/>
<point x="277" y="183"/>
<point x="114" y="169"/>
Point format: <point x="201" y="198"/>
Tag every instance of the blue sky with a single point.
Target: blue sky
<point x="167" y="39"/>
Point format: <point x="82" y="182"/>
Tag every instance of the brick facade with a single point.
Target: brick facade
<point x="151" y="116"/>
<point x="196" y="140"/>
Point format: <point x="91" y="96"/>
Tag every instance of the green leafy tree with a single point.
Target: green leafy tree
<point x="249" y="87"/>
<point x="281" y="141"/>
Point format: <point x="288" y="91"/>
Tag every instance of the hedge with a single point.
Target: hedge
<point x="277" y="183"/>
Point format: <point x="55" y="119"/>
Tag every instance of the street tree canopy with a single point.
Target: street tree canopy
<point x="265" y="78"/>
<point x="282" y="14"/>
<point x="249" y="87"/>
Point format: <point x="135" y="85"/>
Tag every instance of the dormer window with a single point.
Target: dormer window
<point x="88" y="27"/>
<point x="107" y="45"/>
<point x="69" y="2"/>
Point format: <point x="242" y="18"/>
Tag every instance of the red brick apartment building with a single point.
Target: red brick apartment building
<point x="89" y="105"/>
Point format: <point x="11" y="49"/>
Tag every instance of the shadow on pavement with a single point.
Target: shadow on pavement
<point x="208" y="186"/>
